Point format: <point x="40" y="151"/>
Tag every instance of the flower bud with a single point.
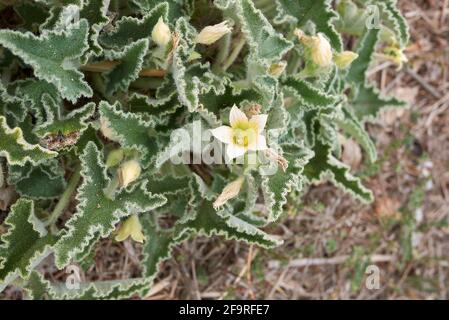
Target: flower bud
<point x="161" y="34"/>
<point x="229" y="192"/>
<point x="106" y="130"/>
<point x="344" y="59"/>
<point x="276" y="69"/>
<point x="131" y="227"/>
<point x="129" y="172"/>
<point x="114" y="158"/>
<point x="395" y="55"/>
<point x="211" y="34"/>
<point x="321" y="51"/>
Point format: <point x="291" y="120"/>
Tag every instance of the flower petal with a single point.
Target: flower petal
<point x="223" y="133"/>
<point x="237" y="116"/>
<point x="260" y="121"/>
<point x="234" y="151"/>
<point x="260" y="143"/>
<point x="138" y="236"/>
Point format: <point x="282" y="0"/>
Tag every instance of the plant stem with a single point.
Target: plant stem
<point x="105" y="66"/>
<point x="110" y="189"/>
<point x="223" y="51"/>
<point x="102" y="66"/>
<point x="65" y="198"/>
<point x="154" y="73"/>
<point x="234" y="54"/>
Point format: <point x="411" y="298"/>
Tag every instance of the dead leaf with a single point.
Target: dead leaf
<point x="391" y="116"/>
<point x="7" y="196"/>
<point x="386" y="207"/>
<point x="352" y="153"/>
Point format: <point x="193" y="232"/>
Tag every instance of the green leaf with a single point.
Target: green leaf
<point x="32" y="91"/>
<point x="187" y="86"/>
<point x="53" y="56"/>
<point x="28" y="180"/>
<point x="16" y="150"/>
<point x="203" y="220"/>
<point x="396" y="20"/>
<point x="129" y="29"/>
<point x="175" y="9"/>
<point x="12" y="106"/>
<point x="75" y="121"/>
<point x="37" y="288"/>
<point x="352" y="126"/>
<point x="131" y="130"/>
<point x="365" y="50"/>
<point x="308" y="94"/>
<point x="24" y="245"/>
<point x="319" y="12"/>
<point x="264" y="41"/>
<point x="325" y="164"/>
<point x="369" y="102"/>
<point x="158" y="246"/>
<point x="154" y="107"/>
<point x="94" y="11"/>
<point x="32" y="14"/>
<point x="96" y="213"/>
<point x="131" y="61"/>
<point x="208" y="222"/>
<point x="276" y="184"/>
<point x="103" y="290"/>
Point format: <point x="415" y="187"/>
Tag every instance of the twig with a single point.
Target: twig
<point x="299" y="263"/>
<point x="424" y="83"/>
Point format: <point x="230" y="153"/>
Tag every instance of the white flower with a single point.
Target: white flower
<point x="243" y="134"/>
<point x="320" y="48"/>
<point x="321" y="51"/>
<point x="130" y="228"/>
<point x="210" y="34"/>
<point x="229" y="192"/>
<point x="129" y="172"/>
<point x="161" y="34"/>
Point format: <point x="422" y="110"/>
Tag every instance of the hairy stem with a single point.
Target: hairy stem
<point x="105" y="66"/>
<point x="65" y="198"/>
<point x="112" y="187"/>
<point x="234" y="54"/>
<point x="223" y="51"/>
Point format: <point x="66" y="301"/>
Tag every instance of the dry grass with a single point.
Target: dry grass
<point x="330" y="239"/>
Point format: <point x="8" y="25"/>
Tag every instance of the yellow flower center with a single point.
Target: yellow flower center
<point x="244" y="135"/>
<point x="240" y="137"/>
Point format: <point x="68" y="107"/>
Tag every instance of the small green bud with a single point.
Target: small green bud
<point x="114" y="158"/>
<point x="344" y="59"/>
<point x="276" y="69"/>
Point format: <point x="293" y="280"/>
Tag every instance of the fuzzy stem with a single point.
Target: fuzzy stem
<point x="225" y="46"/>
<point x="65" y="198"/>
<point x="112" y="187"/>
<point x="234" y="54"/>
<point x="105" y="66"/>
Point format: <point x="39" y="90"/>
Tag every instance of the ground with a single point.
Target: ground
<point x="335" y="246"/>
